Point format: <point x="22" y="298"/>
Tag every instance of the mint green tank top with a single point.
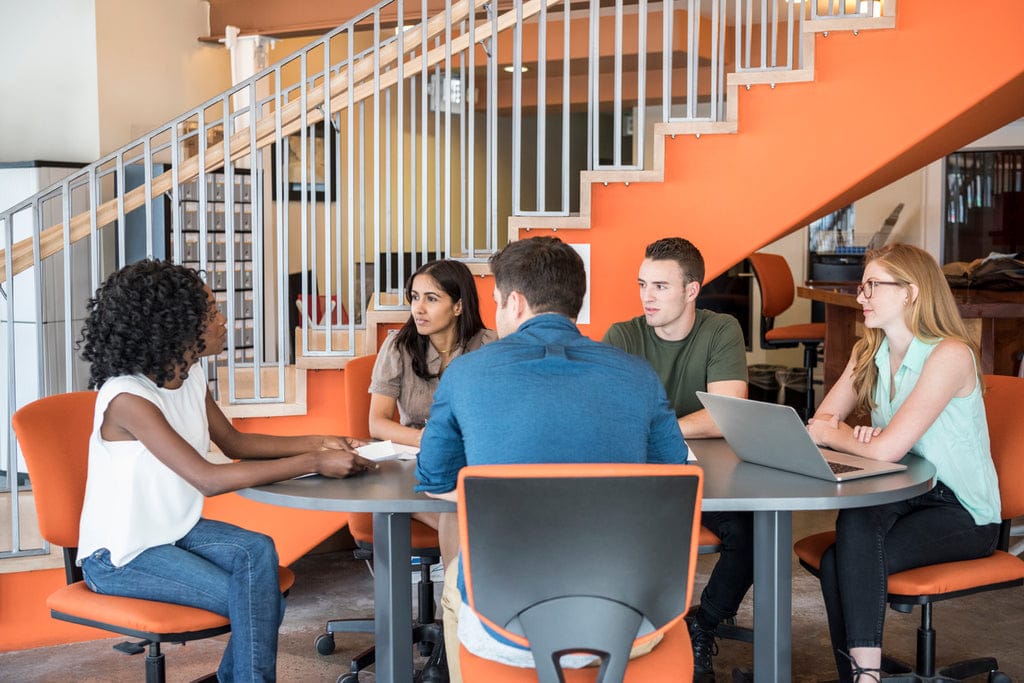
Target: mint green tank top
<point x="956" y="443"/>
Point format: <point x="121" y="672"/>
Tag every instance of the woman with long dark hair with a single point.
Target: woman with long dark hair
<point x="444" y="323"/>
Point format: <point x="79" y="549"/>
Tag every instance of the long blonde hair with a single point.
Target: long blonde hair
<point x="931" y="317"/>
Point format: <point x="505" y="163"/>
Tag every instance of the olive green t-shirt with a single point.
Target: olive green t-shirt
<point x="713" y="352"/>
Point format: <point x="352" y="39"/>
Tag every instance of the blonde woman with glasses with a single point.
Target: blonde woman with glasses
<point x="916" y="372"/>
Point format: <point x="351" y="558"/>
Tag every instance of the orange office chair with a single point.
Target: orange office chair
<point x="57" y="461"/>
<point x="775" y="280"/>
<point x="426" y="632"/>
<point x="582" y="594"/>
<point x="930" y="584"/>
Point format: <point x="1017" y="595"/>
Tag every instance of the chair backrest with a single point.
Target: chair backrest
<point x="358" y="372"/>
<point x="54" y="436"/>
<point x="775" y="280"/>
<point x="568" y="558"/>
<point x="1003" y="400"/>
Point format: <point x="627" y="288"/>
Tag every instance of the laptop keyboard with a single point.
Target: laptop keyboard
<point x="838" y="468"/>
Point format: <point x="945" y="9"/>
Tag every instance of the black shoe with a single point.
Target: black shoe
<point x="704" y="648"/>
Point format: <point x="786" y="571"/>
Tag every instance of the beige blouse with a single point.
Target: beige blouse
<point x="393" y="376"/>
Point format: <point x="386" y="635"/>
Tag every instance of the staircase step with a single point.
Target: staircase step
<point x="294" y="392"/>
<point x="341" y="342"/>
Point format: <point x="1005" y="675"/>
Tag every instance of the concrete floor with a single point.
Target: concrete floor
<point x="334" y="585"/>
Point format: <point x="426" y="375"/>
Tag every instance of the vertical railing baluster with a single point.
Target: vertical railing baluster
<point x="542" y="75"/>
<point x="566" y="101"/>
<point x="517" y="109"/>
<point x="639" y="121"/>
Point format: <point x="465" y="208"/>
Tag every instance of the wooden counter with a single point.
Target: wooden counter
<point x="983" y="312"/>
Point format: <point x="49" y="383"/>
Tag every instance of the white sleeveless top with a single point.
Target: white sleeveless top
<point x="132" y="500"/>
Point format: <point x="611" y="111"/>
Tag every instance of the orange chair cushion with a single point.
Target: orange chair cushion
<point x="671" y="660"/>
<point x="708" y="541"/>
<point x="136" y="614"/>
<point x="936" y="579"/>
<point x="796" y="333"/>
<point x="360" y="524"/>
<point x="811" y="548"/>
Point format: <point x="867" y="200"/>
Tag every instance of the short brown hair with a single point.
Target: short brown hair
<point x="682" y="252"/>
<point x="546" y="271"/>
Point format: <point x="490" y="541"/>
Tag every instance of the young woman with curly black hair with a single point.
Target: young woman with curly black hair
<point x="141" y="531"/>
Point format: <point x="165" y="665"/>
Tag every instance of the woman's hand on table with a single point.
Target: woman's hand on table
<point x="339" y="463"/>
<point x="864" y="433"/>
<point x="823" y="429"/>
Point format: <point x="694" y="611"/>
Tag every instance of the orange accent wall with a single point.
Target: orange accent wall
<point x="883" y="103"/>
<point x="325" y="410"/>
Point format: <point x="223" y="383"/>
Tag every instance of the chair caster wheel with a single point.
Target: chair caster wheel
<point x="348" y="678"/>
<point x="325" y="644"/>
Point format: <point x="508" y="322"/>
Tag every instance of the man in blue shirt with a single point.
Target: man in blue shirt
<point x="543" y="392"/>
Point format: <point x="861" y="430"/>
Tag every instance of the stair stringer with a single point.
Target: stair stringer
<point x="729" y="125"/>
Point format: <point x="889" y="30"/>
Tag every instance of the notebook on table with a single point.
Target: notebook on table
<point x="775" y="436"/>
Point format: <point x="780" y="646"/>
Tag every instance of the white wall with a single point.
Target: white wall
<point x="920" y="223"/>
<point x="48" y="81"/>
<point x="151" y="67"/>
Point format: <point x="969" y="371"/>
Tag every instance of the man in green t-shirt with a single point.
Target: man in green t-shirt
<point x="694" y="350"/>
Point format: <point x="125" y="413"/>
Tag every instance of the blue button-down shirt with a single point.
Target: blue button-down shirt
<point x="546" y="394"/>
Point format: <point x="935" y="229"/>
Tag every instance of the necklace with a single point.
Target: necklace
<point x="444" y="351"/>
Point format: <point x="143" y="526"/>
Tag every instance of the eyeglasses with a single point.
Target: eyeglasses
<point x="867" y="289"/>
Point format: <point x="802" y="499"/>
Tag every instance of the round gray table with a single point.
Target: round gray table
<point x="772" y="495"/>
<point x="388" y="494"/>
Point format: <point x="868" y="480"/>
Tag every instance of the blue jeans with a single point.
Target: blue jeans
<point x="873" y="542"/>
<point x="217" y="567"/>
<point x="733" y="574"/>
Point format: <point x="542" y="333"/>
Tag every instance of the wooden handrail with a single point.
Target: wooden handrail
<point x="51" y="239"/>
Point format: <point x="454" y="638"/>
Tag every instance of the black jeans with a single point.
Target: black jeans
<point x="873" y="542"/>
<point x="734" y="572"/>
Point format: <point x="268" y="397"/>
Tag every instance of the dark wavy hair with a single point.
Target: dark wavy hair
<point x="145" y="319"/>
<point x="457" y="282"/>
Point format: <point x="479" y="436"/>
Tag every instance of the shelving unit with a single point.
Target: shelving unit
<point x="984" y="204"/>
<point x="217" y="239"/>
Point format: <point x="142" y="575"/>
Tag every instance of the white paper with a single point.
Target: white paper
<point x="690" y="455"/>
<point x="379" y="451"/>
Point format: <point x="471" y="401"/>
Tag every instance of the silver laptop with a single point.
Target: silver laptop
<point x="775" y="436"/>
